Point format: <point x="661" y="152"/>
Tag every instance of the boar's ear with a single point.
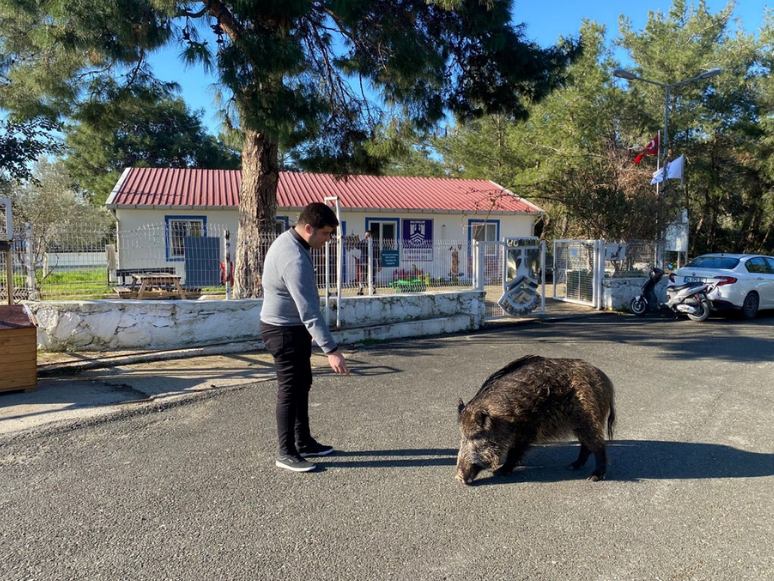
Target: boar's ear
<point x="482" y="419"/>
<point x="460" y="407"/>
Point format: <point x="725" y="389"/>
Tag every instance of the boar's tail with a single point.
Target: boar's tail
<point x="610" y="422"/>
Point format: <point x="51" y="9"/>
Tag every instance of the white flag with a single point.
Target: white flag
<point x="674" y="171"/>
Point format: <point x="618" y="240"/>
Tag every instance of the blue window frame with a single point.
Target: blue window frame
<point x="177" y="228"/>
<point x="484" y="231"/>
<point x="385" y="232"/>
<point x="282" y="224"/>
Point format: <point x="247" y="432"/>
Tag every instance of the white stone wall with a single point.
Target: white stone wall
<point x="619" y="292"/>
<point x="162" y="324"/>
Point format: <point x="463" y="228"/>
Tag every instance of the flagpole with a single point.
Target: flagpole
<point x="628" y="75"/>
<point x="658" y="199"/>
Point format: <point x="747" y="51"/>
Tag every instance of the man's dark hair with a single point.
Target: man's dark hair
<point x="318" y="215"/>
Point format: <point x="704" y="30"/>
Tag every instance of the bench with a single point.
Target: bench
<point x="125" y="292"/>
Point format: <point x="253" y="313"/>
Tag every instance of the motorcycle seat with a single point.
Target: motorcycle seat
<point x="684" y="286"/>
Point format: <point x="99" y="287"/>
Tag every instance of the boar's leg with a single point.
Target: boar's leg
<point x="601" y="466"/>
<point x="512" y="460"/>
<point x="583" y="456"/>
<point x="591" y="443"/>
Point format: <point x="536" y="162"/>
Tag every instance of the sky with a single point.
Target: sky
<point x="545" y="20"/>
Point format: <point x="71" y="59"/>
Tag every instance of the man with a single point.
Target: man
<point x="290" y="319"/>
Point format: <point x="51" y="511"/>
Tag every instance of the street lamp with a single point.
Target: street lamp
<point x="629" y="76"/>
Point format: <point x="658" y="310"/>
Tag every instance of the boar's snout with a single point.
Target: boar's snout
<point x="467" y="467"/>
<point x="467" y="475"/>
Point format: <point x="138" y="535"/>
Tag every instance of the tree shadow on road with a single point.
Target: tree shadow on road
<point x="733" y="338"/>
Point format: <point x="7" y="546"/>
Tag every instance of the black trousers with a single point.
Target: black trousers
<point x="291" y="348"/>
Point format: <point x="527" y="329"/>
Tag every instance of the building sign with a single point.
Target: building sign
<point x="418" y="240"/>
<point x="390" y="259"/>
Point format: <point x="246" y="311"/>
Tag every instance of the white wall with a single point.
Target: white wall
<point x="147" y="249"/>
<point x="134" y="324"/>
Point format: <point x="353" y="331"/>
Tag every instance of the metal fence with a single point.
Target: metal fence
<point x="579" y="265"/>
<point x="86" y="262"/>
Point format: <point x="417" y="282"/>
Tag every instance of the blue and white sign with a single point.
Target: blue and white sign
<point x="418" y="240"/>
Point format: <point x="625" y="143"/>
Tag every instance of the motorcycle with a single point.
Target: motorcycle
<point x="690" y="298"/>
<point x="647" y="300"/>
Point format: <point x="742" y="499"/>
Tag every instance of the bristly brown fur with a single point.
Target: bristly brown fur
<point x="530" y="400"/>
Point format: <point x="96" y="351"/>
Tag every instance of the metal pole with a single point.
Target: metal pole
<point x="370" y="267"/>
<point x="666" y="136"/>
<point x="543" y="276"/>
<point x="9" y="271"/>
<point x="661" y="215"/>
<point x="30" y="254"/>
<point x="227" y="259"/>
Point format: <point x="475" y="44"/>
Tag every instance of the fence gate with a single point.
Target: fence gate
<point x="512" y="272"/>
<point x="579" y="267"/>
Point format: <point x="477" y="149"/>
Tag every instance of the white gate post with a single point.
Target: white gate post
<point x="598" y="301"/>
<point x="227" y="262"/>
<point x="339" y="266"/>
<point x="478" y="265"/>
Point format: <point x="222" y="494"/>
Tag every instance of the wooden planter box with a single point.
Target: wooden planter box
<point x="18" y="350"/>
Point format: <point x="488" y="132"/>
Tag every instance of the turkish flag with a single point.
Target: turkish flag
<point x="650" y="149"/>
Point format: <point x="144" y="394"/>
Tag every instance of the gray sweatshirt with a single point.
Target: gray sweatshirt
<point x="290" y="289"/>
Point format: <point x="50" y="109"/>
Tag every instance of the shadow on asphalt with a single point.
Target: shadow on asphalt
<point x="408" y="458"/>
<point x="636" y="460"/>
<point x="629" y="461"/>
<point x="674" y="339"/>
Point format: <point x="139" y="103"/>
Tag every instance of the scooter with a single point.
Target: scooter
<point x="647" y="300"/>
<point x="690" y="298"/>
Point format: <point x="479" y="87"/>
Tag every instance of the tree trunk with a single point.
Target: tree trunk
<point x="257" y="212"/>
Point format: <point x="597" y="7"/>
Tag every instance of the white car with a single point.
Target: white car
<point x="742" y="282"/>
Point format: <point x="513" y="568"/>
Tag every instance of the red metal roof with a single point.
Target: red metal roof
<point x="202" y="188"/>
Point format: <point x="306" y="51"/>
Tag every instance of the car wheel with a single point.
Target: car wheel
<point x="639" y="306"/>
<point x="750" y="306"/>
<point x="702" y="311"/>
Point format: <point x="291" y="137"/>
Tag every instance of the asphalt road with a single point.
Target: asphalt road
<point x="189" y="491"/>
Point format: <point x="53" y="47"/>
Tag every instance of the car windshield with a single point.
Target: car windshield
<point x="724" y="262"/>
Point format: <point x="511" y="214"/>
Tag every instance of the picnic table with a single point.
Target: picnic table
<point x="153" y="285"/>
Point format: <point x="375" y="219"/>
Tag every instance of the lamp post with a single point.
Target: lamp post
<point x="664" y="144"/>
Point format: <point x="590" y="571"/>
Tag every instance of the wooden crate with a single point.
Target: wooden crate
<point x="18" y="350"/>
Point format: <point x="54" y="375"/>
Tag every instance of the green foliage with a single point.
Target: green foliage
<point x="573" y="155"/>
<point x="22" y="143"/>
<point x="51" y="206"/>
<point x="303" y="74"/>
<point x="309" y="78"/>
<point x="138" y="132"/>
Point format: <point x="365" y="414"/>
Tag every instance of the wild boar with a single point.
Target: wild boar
<point x="531" y="400"/>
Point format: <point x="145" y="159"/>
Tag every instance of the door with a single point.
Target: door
<point x="762" y="271"/>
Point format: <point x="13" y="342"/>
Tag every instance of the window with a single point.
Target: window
<point x="384" y="232"/>
<point x="713" y="262"/>
<point x="178" y="227"/>
<point x="757" y="266"/>
<point x="486" y="231"/>
<point x="281" y="225"/>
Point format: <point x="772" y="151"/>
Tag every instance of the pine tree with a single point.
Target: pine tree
<point x="313" y="76"/>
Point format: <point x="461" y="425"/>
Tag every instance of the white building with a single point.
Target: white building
<point x="403" y="214"/>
